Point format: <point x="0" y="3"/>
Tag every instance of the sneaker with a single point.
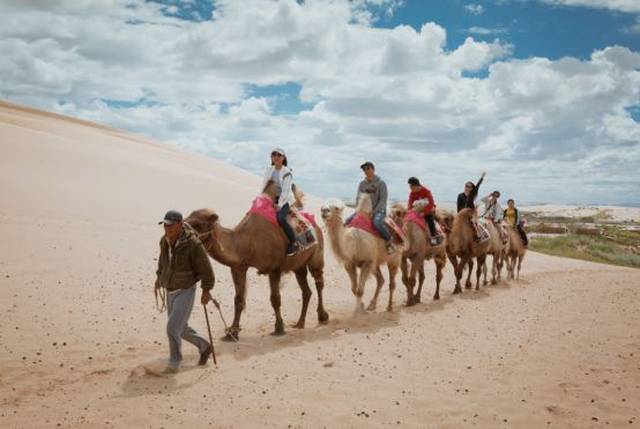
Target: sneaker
<point x="292" y="249"/>
<point x="390" y="248"/>
<point x="435" y="241"/>
<point x="204" y="356"/>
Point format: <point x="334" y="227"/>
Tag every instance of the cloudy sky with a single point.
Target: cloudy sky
<point x="542" y="94"/>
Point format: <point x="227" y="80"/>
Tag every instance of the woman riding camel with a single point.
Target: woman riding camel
<point x="466" y="200"/>
<point x="512" y="216"/>
<point x="281" y="175"/>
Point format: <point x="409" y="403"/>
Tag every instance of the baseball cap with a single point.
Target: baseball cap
<point x="171" y="217"/>
<point x="367" y="164"/>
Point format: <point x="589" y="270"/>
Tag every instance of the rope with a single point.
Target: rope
<point x="160" y="306"/>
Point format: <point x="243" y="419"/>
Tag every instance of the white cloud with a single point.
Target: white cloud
<point x="474" y="9"/>
<point x="397" y="96"/>
<point x="630" y="6"/>
<point x="483" y="31"/>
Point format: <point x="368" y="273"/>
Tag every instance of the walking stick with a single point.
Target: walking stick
<point x="213" y="350"/>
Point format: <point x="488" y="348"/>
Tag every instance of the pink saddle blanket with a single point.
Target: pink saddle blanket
<point x="263" y="206"/>
<point x="364" y="222"/>
<point x="418" y="219"/>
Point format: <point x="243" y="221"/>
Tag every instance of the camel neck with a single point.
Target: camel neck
<point x="336" y="230"/>
<point x="225" y="251"/>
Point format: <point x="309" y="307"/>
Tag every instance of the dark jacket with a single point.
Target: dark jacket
<point x="377" y="189"/>
<point x="188" y="264"/>
<point x="468" y="202"/>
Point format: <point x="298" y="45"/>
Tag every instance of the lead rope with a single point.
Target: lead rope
<point x="161" y="305"/>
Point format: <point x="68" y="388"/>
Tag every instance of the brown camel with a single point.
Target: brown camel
<point x="497" y="249"/>
<point x="515" y="252"/>
<point x="419" y="249"/>
<point x="462" y="248"/>
<point x="360" y="250"/>
<point x="255" y="242"/>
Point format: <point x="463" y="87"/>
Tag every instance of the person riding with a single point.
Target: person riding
<point x="377" y="189"/>
<point x="512" y="216"/>
<point x="420" y="192"/>
<point x="493" y="212"/>
<point x="466" y="200"/>
<point x="281" y="175"/>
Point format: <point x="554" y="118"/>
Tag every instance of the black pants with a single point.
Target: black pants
<point x="523" y="234"/>
<point x="431" y="222"/>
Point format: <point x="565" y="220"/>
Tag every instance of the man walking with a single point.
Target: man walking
<point x="182" y="263"/>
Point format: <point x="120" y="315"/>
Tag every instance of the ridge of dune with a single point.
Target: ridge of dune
<point x="58" y="166"/>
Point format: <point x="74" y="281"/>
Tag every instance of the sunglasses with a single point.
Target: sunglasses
<point x="276" y="154"/>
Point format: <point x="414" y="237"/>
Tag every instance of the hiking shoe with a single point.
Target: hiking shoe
<point x="204" y="356"/>
<point x="292" y="249"/>
<point x="390" y="248"/>
<point x="435" y="241"/>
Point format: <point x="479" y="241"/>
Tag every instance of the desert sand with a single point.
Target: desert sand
<point x="79" y="330"/>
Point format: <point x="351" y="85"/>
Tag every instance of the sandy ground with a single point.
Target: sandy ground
<point x="79" y="328"/>
<point x="613" y="213"/>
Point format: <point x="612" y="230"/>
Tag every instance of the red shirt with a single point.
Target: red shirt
<point x="421" y="194"/>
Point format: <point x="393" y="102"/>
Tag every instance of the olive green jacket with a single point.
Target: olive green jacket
<point x="187" y="264"/>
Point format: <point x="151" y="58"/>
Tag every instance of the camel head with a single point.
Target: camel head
<point x="202" y="220"/>
<point x="419" y="205"/>
<point x="364" y="204"/>
<point x="332" y="211"/>
<point x="398" y="212"/>
<point x="270" y="189"/>
<point x="447" y="220"/>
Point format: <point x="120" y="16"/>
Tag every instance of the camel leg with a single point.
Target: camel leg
<point x="365" y="270"/>
<point x="393" y="270"/>
<point x="458" y="274"/>
<point x="239" y="276"/>
<point x="379" y="283"/>
<point x="494" y="269"/>
<point x="467" y="283"/>
<point x="440" y="263"/>
<point x="318" y="277"/>
<point x="421" y="277"/>
<point x="274" y="284"/>
<point x="404" y="269"/>
<point x="415" y="267"/>
<point x="482" y="266"/>
<point x="301" y="277"/>
<point x="484" y="272"/>
<point x="520" y="258"/>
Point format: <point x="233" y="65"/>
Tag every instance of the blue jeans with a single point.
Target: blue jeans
<point x="179" y="306"/>
<point x="282" y="221"/>
<point x="379" y="225"/>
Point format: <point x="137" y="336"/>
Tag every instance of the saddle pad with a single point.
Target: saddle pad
<point x="483" y="232"/>
<point x="364" y="222"/>
<point x="303" y="223"/>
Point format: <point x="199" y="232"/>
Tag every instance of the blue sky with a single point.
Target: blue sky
<point x="542" y="94"/>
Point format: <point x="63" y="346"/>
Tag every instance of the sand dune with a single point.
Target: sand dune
<point x="80" y="336"/>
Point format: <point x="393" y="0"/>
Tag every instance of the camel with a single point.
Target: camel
<point x="256" y="243"/>
<point x="515" y="252"/>
<point x="497" y="249"/>
<point x="419" y="249"/>
<point x="358" y="249"/>
<point x="462" y="248"/>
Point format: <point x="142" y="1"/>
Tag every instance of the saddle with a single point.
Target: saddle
<point x="483" y="231"/>
<point x="364" y="222"/>
<point x="418" y="219"/>
<point x="302" y="223"/>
